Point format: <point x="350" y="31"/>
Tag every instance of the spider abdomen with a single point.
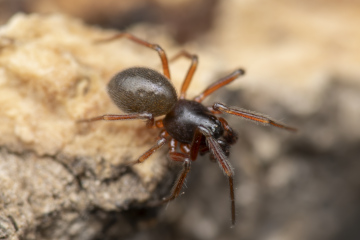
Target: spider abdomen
<point x="142" y="90"/>
<point x="186" y="116"/>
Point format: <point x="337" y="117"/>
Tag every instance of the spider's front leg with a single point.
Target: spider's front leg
<point x="253" y="116"/>
<point x="223" y="163"/>
<point x="230" y="135"/>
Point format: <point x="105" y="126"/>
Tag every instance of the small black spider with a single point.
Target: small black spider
<point x="145" y="94"/>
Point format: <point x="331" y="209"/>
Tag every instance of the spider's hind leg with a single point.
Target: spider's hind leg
<point x="139" y="41"/>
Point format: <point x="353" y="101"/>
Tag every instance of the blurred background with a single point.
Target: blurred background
<point x="302" y="60"/>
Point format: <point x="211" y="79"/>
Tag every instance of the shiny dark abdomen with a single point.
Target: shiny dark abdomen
<point x="142" y="90"/>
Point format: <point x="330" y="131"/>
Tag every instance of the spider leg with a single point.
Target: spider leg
<point x="179" y="157"/>
<point x="186" y="159"/>
<point x="159" y="124"/>
<point x="230" y="135"/>
<point x="185" y="148"/>
<point x="256" y="117"/>
<point x="190" y="73"/>
<point x="223" y="163"/>
<point x="220" y="83"/>
<point x="156" y="47"/>
<point x="114" y="117"/>
<point x="210" y="109"/>
<point x="161" y="140"/>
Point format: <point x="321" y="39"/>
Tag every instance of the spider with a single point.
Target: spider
<point x="189" y="127"/>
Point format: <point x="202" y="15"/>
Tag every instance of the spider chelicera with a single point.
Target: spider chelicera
<point x="189" y="127"/>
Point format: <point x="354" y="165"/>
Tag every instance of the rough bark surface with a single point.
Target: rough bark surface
<point x="52" y="168"/>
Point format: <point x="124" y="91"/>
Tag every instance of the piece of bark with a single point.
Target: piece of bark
<point x="51" y="75"/>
